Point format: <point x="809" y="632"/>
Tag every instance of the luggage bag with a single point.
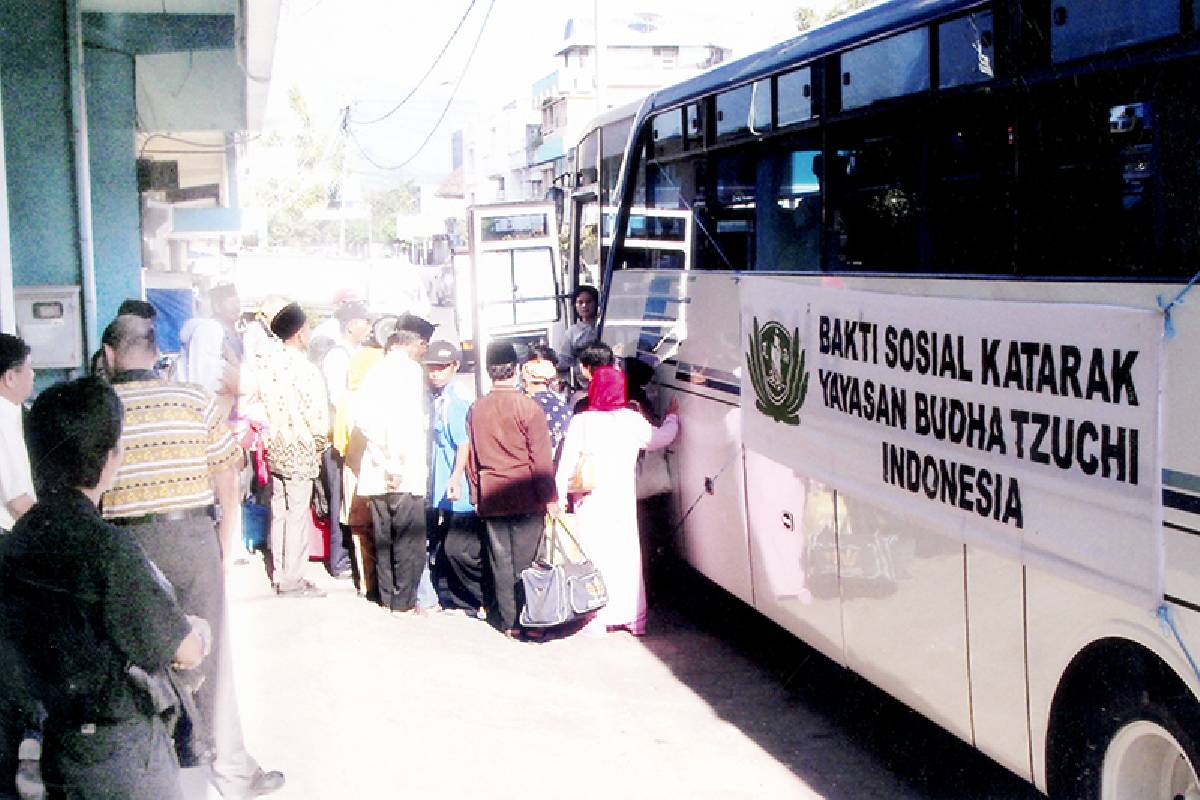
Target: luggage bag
<point x="558" y="588"/>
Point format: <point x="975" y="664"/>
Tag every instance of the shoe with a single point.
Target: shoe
<point x="303" y="589"/>
<point x="265" y="782"/>
<point x="343" y="574"/>
<point x="595" y="628"/>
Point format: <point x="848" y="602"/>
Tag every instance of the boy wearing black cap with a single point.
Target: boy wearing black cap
<point x="452" y="519"/>
<point x="510" y="471"/>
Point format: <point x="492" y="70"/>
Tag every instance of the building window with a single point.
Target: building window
<point x="669" y="56"/>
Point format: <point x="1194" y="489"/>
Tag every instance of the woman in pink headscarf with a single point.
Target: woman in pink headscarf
<point x="609" y="436"/>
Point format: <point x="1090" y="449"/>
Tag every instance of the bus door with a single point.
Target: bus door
<point x="587" y="268"/>
<point x="646" y="313"/>
<point x="515" y="278"/>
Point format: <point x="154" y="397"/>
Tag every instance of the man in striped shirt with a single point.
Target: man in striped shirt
<point x="178" y="449"/>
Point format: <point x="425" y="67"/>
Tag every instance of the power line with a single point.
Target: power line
<point x="428" y="72"/>
<point x="453" y="93"/>
<point x="201" y="147"/>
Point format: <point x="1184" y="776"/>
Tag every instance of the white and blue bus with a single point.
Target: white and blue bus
<point x="934" y="363"/>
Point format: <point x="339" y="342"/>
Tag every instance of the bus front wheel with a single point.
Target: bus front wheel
<point x="1143" y="749"/>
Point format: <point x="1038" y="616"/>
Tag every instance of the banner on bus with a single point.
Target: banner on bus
<point x="1028" y="427"/>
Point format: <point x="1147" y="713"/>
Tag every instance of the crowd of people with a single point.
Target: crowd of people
<point x="113" y="545"/>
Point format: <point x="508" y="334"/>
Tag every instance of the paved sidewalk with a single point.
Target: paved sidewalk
<point x="351" y="702"/>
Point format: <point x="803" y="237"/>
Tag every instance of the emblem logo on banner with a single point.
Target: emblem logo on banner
<point x="775" y="362"/>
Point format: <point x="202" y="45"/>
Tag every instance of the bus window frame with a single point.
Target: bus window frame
<point x="1021" y="59"/>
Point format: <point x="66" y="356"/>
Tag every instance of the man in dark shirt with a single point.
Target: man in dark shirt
<point x="82" y="603"/>
<point x="510" y="471"/>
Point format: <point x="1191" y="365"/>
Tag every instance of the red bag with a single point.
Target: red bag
<point x="318" y="537"/>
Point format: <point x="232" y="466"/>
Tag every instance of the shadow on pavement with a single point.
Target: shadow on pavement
<point x="830" y="727"/>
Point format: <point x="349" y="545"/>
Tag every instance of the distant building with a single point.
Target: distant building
<point x="516" y="154"/>
<point x="122" y="131"/>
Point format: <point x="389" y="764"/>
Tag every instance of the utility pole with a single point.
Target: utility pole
<point x="342" y="182"/>
<point x="599" y="56"/>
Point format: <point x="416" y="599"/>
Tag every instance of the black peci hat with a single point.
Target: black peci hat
<point x="288" y="321"/>
<point x="421" y="327"/>
<point x="501" y="353"/>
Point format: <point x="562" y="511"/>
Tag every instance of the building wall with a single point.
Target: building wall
<point x="116" y="215"/>
<point x="37" y="138"/>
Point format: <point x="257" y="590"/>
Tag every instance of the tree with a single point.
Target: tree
<point x="305" y="181"/>
<point x="807" y="17"/>
<point x="294" y="170"/>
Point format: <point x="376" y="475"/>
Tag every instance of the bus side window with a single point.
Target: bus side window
<point x="725" y="225"/>
<point x="794" y="97"/>
<point x="666" y="133"/>
<point x="874" y="203"/>
<point x="1096" y="206"/>
<point x="671" y="185"/>
<point x="966" y="50"/>
<point x="971" y="219"/>
<point x="1120" y="172"/>
<point x="788" y="229"/>
<point x="1083" y="27"/>
<point x="587" y="156"/>
<point x="892" y="67"/>
<point x="612" y="151"/>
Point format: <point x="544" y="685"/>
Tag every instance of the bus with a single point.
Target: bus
<point x="934" y="364"/>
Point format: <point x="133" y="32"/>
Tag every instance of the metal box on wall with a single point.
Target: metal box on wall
<point x="50" y="320"/>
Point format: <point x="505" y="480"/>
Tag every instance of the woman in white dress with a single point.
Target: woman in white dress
<point x="609" y="436"/>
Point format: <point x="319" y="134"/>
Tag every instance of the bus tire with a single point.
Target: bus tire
<point x="1138" y="745"/>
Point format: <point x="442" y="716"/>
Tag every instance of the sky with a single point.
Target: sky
<point x="370" y="54"/>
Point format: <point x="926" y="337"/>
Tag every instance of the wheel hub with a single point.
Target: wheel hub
<point x="1144" y="761"/>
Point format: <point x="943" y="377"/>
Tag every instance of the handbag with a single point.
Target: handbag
<point x="557" y="593"/>
<point x="583" y="477"/>
<point x="320" y="495"/>
<point x="653" y="474"/>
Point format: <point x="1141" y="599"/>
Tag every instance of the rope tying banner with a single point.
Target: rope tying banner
<point x="1168" y="621"/>
<point x="1165" y="307"/>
